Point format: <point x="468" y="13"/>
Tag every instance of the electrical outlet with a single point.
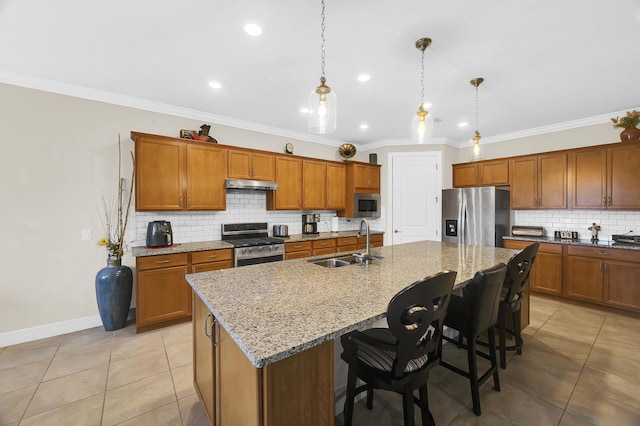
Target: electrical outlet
<point x="86" y="235"/>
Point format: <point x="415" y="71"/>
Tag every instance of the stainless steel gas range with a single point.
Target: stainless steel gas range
<point x="252" y="243"/>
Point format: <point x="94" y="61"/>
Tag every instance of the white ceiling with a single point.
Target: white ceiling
<point x="544" y="62"/>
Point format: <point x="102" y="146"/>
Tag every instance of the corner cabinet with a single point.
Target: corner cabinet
<point x="481" y="173"/>
<point x="172" y="175"/>
<point x="539" y="181"/>
<point x="295" y="390"/>
<point x="546" y="273"/>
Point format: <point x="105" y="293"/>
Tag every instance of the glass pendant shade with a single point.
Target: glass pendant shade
<point x="475" y="152"/>
<point x="322" y="110"/>
<point x="421" y="125"/>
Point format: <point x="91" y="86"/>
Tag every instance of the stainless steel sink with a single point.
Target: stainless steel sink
<point x="332" y="263"/>
<point x="339" y="261"/>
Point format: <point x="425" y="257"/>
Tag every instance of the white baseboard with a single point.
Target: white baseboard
<point x="54" y="329"/>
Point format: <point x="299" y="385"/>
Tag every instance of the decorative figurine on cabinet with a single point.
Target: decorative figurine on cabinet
<point x="594" y="232"/>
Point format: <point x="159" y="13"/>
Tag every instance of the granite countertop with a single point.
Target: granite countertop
<point x="274" y="310"/>
<point x="180" y="248"/>
<point x="586" y="243"/>
<point x="218" y="244"/>
<point x="323" y="236"/>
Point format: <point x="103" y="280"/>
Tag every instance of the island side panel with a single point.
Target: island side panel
<point x="299" y="389"/>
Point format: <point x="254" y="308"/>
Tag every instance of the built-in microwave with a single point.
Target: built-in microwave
<point x="366" y="205"/>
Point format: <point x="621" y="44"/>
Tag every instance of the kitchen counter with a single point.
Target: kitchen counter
<point x="323" y="236"/>
<point x="275" y="310"/>
<point x="586" y="243"/>
<point x="218" y="244"/>
<point x="180" y="248"/>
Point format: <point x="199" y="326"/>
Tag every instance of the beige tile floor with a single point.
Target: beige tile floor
<point x="580" y="366"/>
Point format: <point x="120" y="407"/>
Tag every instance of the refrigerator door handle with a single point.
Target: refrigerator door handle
<point x="462" y="218"/>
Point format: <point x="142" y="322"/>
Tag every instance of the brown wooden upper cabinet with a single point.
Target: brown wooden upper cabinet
<point x="289" y="178"/>
<point x="251" y="165"/>
<point x="366" y="177"/>
<point x="539" y="181"/>
<point x="605" y="177"/>
<point x="336" y="186"/>
<point x="314" y="184"/>
<point x="481" y="173"/>
<point x="175" y="175"/>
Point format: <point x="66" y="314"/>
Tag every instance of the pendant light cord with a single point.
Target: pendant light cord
<point x="322" y="77"/>
<point x="477" y="108"/>
<point x="422" y="79"/>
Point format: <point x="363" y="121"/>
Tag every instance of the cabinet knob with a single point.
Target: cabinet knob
<point x="189" y="202"/>
<point x="180" y="202"/>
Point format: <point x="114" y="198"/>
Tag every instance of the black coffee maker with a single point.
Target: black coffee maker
<point x="310" y="223"/>
<point x="159" y="234"/>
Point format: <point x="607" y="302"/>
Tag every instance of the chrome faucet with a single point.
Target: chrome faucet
<point x="366" y="256"/>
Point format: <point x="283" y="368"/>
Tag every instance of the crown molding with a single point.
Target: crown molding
<point x="67" y="89"/>
<point x="408" y="142"/>
<point x="551" y="128"/>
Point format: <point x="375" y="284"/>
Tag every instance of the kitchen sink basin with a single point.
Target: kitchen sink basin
<point x="339" y="261"/>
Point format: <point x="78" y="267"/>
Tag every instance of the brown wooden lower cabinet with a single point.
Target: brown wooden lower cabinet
<point x="297" y="250"/>
<point x="295" y="390"/>
<point x="604" y="275"/>
<point x="163" y="296"/>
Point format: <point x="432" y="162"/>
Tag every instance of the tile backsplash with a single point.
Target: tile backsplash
<point x="242" y="206"/>
<point x="611" y="222"/>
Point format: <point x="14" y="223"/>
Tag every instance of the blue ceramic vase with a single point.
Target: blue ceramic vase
<point x="113" y="292"/>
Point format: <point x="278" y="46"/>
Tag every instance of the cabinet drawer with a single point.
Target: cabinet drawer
<point x="542" y="248"/>
<point x="329" y="242"/>
<point x="297" y="254"/>
<point x="347" y="241"/>
<point x="605" y="253"/>
<point x="352" y="247"/>
<point x="211" y="266"/>
<point x="211" y="256"/>
<point x="303" y="245"/>
<point x="162" y="261"/>
<point x="323" y="251"/>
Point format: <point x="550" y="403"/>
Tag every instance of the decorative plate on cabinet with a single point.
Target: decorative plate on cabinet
<point x="347" y="151"/>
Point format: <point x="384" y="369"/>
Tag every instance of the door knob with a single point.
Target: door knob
<point x="396" y="231"/>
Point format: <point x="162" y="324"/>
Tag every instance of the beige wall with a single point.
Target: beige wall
<point x="60" y="153"/>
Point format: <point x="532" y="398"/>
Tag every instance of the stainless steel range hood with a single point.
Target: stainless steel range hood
<point x="255" y="185"/>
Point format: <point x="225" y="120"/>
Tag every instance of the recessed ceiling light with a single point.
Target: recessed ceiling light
<point x="253" y="29"/>
<point x="215" y="85"/>
<point x="364" y="126"/>
<point x="304" y="110"/>
<point x="364" y="77"/>
<point x="463" y="124"/>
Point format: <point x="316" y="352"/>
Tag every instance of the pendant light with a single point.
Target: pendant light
<point x="476" y="138"/>
<point x="322" y="100"/>
<point x="422" y="122"/>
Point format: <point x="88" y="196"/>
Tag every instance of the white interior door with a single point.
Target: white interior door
<point x="416" y="186"/>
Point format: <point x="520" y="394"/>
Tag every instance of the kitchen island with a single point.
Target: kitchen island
<point x="263" y="334"/>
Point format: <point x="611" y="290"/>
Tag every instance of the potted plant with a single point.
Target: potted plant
<point x="628" y="123"/>
<point x="114" y="282"/>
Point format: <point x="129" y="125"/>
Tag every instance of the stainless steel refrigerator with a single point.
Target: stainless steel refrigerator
<point x="476" y="216"/>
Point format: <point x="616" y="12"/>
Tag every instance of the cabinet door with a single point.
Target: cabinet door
<point x="623" y="177"/>
<point x="239" y="164"/>
<point x="465" y="175"/>
<point x="206" y="174"/>
<point x="546" y="275"/>
<point x="159" y="175"/>
<point x="289" y="179"/>
<point x="622" y="284"/>
<point x="495" y="172"/>
<point x="552" y="181"/>
<point x="366" y="177"/>
<point x="262" y="166"/>
<point x="163" y="294"/>
<point x="584" y="278"/>
<point x="336" y="186"/>
<point x="204" y="358"/>
<point x="524" y="183"/>
<point x="374" y="178"/>
<point x="314" y="188"/>
<point x="588" y="178"/>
